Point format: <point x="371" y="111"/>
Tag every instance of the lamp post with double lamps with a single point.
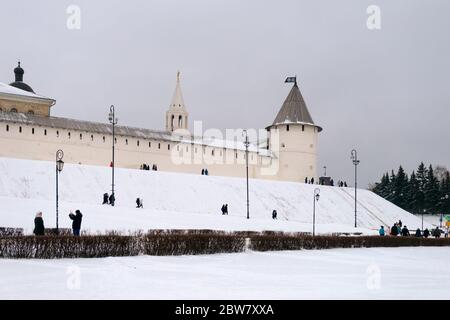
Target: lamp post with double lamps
<point x="59" y="168"/>
<point x="247" y="144"/>
<point x="113" y="120"/>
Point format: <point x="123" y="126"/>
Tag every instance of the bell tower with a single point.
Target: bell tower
<point x="177" y="115"/>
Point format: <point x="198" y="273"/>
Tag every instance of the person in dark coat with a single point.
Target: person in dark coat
<point x="274" y="214"/>
<point x="206" y="172"/>
<point x="139" y="203"/>
<point x="39" y="229"/>
<point x="418" y="233"/>
<point x="203" y="172"/>
<point x="312" y="180"/>
<point x="105" y="198"/>
<point x="76" y="222"/>
<point x="112" y="199"/>
<point x="400" y="224"/>
<point x="437" y="233"/>
<point x="394" y="230"/>
<point x="405" y="232"/>
<point x="345" y="184"/>
<point x="223" y="209"/>
<point x="226" y="209"/>
<point x="306" y="180"/>
<point x="426" y="233"/>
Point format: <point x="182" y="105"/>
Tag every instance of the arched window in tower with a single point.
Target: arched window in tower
<point x="57" y="133"/>
<point x="172" y="120"/>
<point x="92" y="137"/>
<point x="287" y="128"/>
<point x="20" y="129"/>
<point x="68" y="134"/>
<point x="45" y="132"/>
<point x="32" y="130"/>
<point x="81" y="136"/>
<point x="104" y="139"/>
<point x="126" y="141"/>
<point x="7" y="127"/>
<point x="137" y="143"/>
<point x="180" y="122"/>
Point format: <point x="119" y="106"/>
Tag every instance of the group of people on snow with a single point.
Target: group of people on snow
<point x="39" y="228"/>
<point x="224" y="209"/>
<point x="398" y="229"/>
<point x="145" y="166"/>
<point x="109" y="199"/>
<point x="205" y="172"/>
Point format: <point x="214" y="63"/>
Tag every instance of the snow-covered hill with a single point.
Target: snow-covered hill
<point x="174" y="200"/>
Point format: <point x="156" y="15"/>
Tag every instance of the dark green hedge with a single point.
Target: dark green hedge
<point x="188" y="242"/>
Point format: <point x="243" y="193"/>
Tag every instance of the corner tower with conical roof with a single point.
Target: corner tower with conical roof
<point x="293" y="139"/>
<point x="177" y="115"/>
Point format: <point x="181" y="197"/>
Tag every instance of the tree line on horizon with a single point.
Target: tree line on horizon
<point x="426" y="190"/>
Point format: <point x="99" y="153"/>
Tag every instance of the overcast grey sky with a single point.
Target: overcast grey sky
<point x="385" y="92"/>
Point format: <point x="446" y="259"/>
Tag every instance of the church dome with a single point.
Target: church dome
<point x="19" y="72"/>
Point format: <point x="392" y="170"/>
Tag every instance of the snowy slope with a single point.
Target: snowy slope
<point x="174" y="200"/>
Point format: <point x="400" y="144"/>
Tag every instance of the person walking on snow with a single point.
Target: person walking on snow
<point x="76" y="224"/>
<point x="112" y="199"/>
<point x="418" y="233"/>
<point x="426" y="233"/>
<point x="405" y="231"/>
<point x="381" y="231"/>
<point x="394" y="230"/>
<point x="274" y="214"/>
<point x="39" y="229"/>
<point x="105" y="198"/>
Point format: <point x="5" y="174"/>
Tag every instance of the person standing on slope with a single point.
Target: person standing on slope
<point x="76" y="224"/>
<point x="39" y="229"/>
<point x="381" y="231"/>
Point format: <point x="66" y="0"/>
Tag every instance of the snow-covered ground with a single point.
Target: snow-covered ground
<point x="376" y="273"/>
<point x="179" y="201"/>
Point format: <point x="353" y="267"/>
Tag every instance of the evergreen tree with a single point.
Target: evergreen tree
<point x="400" y="188"/>
<point x="444" y="192"/>
<point x="431" y="192"/>
<point x="421" y="176"/>
<point x="412" y="195"/>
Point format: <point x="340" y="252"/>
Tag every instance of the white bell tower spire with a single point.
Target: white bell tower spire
<point x="177" y="115"/>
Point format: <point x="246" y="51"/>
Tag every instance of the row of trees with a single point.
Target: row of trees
<point x="426" y="190"/>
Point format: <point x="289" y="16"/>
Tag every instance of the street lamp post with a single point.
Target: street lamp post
<point x="59" y="168"/>
<point x="354" y="157"/>
<point x="247" y="144"/>
<point x="315" y="199"/>
<point x="113" y="120"/>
